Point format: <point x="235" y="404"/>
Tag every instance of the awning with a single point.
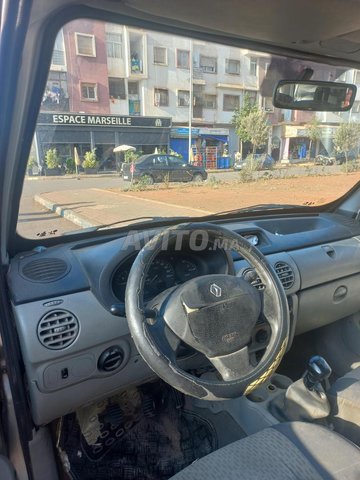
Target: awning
<point x="219" y="138"/>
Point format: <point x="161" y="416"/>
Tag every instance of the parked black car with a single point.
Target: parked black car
<point x="157" y="168"/>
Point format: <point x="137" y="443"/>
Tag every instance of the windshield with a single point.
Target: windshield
<point x="199" y="118"/>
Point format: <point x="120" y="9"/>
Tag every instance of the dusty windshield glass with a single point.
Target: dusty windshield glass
<point x="141" y="124"/>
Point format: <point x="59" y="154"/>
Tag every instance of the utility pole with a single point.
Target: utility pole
<point x="191" y="99"/>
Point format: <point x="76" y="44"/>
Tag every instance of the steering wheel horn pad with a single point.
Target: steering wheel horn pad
<point x="215" y="314"/>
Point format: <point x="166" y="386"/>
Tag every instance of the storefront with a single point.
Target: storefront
<point x="215" y="137"/>
<point x="179" y="140"/>
<point x="295" y="143"/>
<point x="65" y="131"/>
<point x="205" y="141"/>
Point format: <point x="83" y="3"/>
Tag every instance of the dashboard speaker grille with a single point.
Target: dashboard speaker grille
<point x="45" y="270"/>
<point x="285" y="274"/>
<point x="58" y="329"/>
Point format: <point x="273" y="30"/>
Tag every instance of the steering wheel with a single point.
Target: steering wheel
<point x="214" y="314"/>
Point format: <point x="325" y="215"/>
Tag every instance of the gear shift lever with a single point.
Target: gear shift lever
<point x="306" y="399"/>
<point x="317" y="371"/>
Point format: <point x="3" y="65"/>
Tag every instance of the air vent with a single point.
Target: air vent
<point x="45" y="270"/>
<point x="58" y="329"/>
<point x="251" y="276"/>
<point x="285" y="274"/>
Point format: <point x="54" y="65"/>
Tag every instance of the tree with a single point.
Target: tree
<point x="52" y="159"/>
<point x="346" y="138"/>
<point x="256" y="128"/>
<point x="241" y="113"/>
<point x="90" y="160"/>
<point x="313" y="132"/>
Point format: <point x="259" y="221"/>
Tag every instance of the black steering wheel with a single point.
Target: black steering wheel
<point x="214" y="314"/>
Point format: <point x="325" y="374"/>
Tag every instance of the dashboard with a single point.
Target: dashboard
<point x="68" y="300"/>
<point x="166" y="271"/>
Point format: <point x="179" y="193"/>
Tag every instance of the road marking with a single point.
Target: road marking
<point x="159" y="202"/>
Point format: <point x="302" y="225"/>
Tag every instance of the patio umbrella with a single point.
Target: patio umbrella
<point x="77" y="160"/>
<point x="76" y="157"/>
<point x="124" y="148"/>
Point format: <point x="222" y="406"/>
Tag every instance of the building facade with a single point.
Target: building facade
<point x="119" y="72"/>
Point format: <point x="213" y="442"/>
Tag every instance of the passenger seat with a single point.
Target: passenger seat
<point x="344" y="397"/>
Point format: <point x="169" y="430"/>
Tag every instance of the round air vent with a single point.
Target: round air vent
<point x="250" y="275"/>
<point x="285" y="274"/>
<point x="58" y="329"/>
<point x="45" y="270"/>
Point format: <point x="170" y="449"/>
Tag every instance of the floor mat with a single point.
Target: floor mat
<point x="141" y="434"/>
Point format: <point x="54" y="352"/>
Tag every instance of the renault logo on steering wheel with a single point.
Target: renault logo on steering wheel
<point x="215" y="290"/>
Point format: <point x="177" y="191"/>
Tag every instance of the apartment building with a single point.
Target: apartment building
<point x="110" y="84"/>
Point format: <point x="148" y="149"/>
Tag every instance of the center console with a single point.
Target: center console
<point x="279" y="399"/>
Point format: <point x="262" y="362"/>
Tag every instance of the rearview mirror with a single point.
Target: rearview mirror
<point x="314" y="96"/>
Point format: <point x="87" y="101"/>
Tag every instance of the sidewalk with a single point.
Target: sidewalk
<point x="95" y="206"/>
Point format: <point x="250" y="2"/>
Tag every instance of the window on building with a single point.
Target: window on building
<point x="252" y="96"/>
<point x="232" y="67"/>
<point x="182" y="58"/>
<point x="117" y="88"/>
<point x="133" y="88"/>
<point x="183" y="98"/>
<point x="161" y="97"/>
<point x="85" y="44"/>
<point x="58" y="57"/>
<point x="210" y="102"/>
<point x="134" y="108"/>
<point x="208" y="64"/>
<point x="114" y="45"/>
<point x="160" y="55"/>
<point x="253" y="66"/>
<point x="268" y="104"/>
<point x="89" y="91"/>
<point x="231" y="102"/>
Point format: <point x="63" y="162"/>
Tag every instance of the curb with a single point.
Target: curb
<point x="64" y="212"/>
<point x="38" y="178"/>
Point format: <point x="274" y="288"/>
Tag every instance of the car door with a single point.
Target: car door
<point x="160" y="168"/>
<point x="177" y="170"/>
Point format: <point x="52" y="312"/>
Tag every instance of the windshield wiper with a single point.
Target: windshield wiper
<point x="260" y="207"/>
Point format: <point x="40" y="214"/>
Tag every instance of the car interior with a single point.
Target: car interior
<point x="225" y="345"/>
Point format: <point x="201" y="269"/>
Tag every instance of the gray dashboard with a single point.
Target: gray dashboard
<point x="62" y="298"/>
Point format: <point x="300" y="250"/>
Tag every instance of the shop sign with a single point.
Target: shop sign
<point x="214" y="131"/>
<point x="184" y="132"/>
<point x="293" y="132"/>
<point x="102" y="120"/>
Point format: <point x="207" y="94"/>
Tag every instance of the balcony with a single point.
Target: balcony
<point x="198" y="74"/>
<point x="54" y="103"/>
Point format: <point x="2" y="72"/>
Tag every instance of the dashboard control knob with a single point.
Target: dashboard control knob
<point x="111" y="359"/>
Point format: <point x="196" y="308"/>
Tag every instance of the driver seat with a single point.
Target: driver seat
<point x="287" y="451"/>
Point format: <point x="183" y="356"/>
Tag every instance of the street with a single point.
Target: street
<point x="37" y="221"/>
